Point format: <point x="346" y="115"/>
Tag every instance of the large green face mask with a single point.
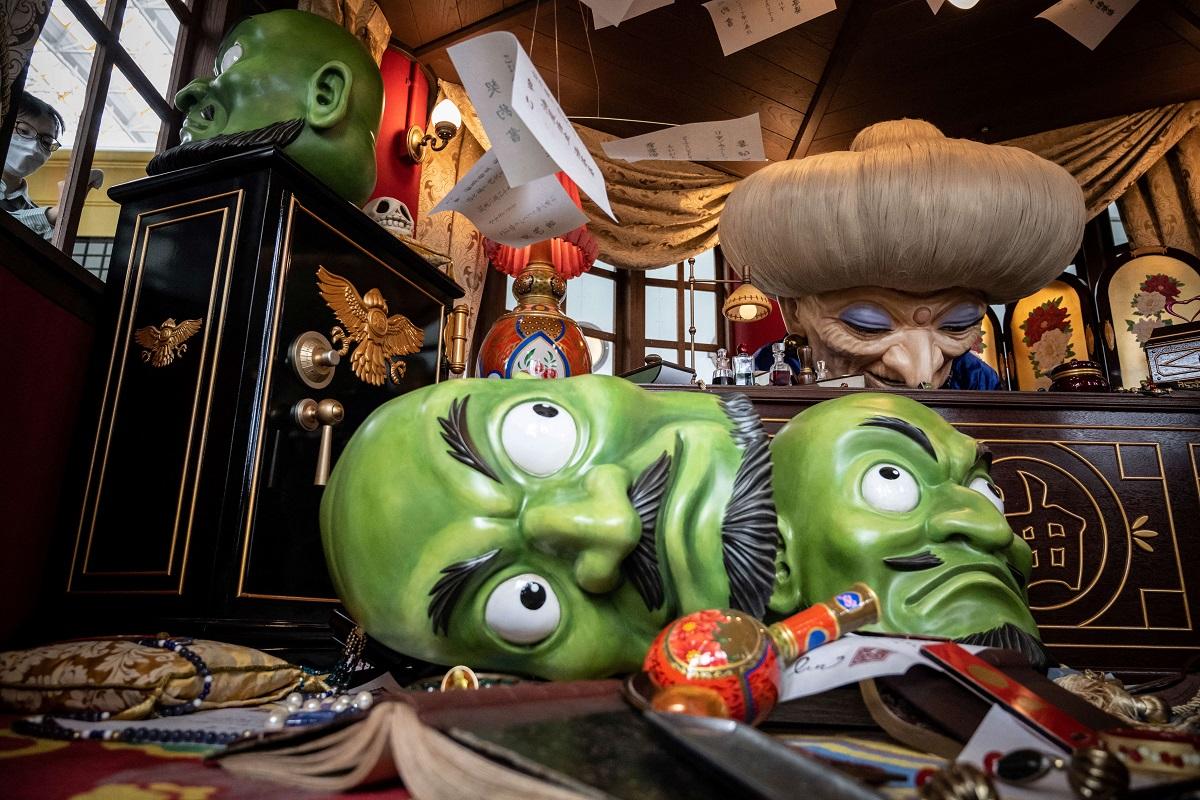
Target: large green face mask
<point x="543" y="527"/>
<point x="294" y="66"/>
<point x="879" y="488"/>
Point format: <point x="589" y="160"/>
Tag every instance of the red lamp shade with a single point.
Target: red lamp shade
<point x="572" y="254"/>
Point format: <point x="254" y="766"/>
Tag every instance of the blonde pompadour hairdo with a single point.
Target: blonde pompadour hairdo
<point x="908" y="209"/>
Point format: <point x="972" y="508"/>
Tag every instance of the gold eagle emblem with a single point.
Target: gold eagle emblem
<point x="380" y="338"/>
<point x="163" y="344"/>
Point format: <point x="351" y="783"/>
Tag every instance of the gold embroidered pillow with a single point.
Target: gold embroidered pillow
<point x="128" y="680"/>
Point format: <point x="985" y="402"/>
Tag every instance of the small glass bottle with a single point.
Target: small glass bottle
<point x="781" y="373"/>
<point x="822" y="372"/>
<point x="743" y="367"/>
<point x="806" y="376"/>
<point x="722" y="374"/>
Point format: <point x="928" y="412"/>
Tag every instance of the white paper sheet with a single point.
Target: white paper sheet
<point x="1001" y="732"/>
<point x="515" y="216"/>
<point x="741" y="23"/>
<point x="851" y="659"/>
<point x="1089" y="21"/>
<point x="530" y="134"/>
<point x="601" y="10"/>
<point x="726" y="140"/>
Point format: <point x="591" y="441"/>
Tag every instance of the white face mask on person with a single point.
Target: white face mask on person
<point x="24" y="157"/>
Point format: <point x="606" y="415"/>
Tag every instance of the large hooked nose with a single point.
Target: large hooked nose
<point x="968" y="515"/>
<point x="595" y="524"/>
<point x="916" y="358"/>
<point x="191" y="95"/>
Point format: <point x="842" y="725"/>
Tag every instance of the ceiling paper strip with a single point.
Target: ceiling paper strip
<point x="603" y="16"/>
<point x="515" y="216"/>
<point x="741" y="23"/>
<point x="1089" y="21"/>
<point x="530" y="134"/>
<point x="726" y="140"/>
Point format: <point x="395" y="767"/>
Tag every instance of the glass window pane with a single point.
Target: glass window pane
<point x="128" y="122"/>
<point x="601" y="351"/>
<point x="590" y="299"/>
<point x="1118" y="227"/>
<point x="660" y="314"/>
<point x="706" y="317"/>
<point x="705" y="364"/>
<point x="668" y="355"/>
<point x="706" y="266"/>
<point x="149" y="33"/>
<point x="667" y="273"/>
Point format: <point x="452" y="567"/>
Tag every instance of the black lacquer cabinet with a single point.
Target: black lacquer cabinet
<point x="196" y="478"/>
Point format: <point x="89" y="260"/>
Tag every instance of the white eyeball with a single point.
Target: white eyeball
<point x="522" y="610"/>
<point x="230" y="57"/>
<point x="887" y="487"/>
<point x="989" y="490"/>
<point x="539" y="437"/>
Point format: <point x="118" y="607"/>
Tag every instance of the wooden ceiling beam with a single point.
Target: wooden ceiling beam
<point x="468" y="31"/>
<point x="856" y="15"/>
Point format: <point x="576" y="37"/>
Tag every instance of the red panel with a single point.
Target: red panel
<point x="755" y="334"/>
<point x="406" y="101"/>
<point x="45" y="381"/>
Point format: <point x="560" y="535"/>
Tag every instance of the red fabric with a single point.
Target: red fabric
<point x="573" y="254"/>
<point x="45" y="377"/>
<point x="406" y="100"/>
<point x="44" y="769"/>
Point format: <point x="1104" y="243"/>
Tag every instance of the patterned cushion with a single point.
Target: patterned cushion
<point x="128" y="680"/>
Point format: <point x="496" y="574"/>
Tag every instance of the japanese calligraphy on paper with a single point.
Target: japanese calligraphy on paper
<point x="1089" y="21"/>
<point x="741" y="23"/>
<point x="726" y="140"/>
<point x="530" y="134"/>
<point x="515" y="216"/>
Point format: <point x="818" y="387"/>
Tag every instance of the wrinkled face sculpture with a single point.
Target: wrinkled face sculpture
<point x="895" y="339"/>
<point x="545" y="527"/>
<point x="881" y="489"/>
<point x="554" y="527"/>
<point x="293" y="79"/>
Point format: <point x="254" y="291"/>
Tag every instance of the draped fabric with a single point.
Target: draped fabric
<point x="668" y="210"/>
<point x="20" y="25"/>
<point x="1109" y="156"/>
<point x="449" y="232"/>
<point x="1162" y="208"/>
<point x="363" y="18"/>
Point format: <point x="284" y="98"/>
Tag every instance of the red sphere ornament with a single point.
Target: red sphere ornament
<point x="741" y="659"/>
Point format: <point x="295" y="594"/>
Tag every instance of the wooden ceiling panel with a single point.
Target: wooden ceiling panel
<point x="403" y="19"/>
<point x="470" y="11"/>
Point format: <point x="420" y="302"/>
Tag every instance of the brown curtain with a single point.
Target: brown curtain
<point x="1108" y="157"/>
<point x="20" y="25"/>
<point x="363" y="18"/>
<point x="451" y="233"/>
<point x="1163" y="206"/>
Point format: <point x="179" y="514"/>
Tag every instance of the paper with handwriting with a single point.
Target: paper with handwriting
<point x="512" y="215"/>
<point x="529" y="132"/>
<point x="741" y="23"/>
<point x="1089" y="21"/>
<point x="607" y="13"/>
<point x="726" y="140"/>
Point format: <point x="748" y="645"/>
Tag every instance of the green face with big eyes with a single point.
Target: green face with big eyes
<point x="879" y="488"/>
<point x="543" y="527"/>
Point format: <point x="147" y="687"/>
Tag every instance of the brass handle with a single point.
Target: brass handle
<point x="310" y="415"/>
<point x="456" y="338"/>
<point x="329" y="413"/>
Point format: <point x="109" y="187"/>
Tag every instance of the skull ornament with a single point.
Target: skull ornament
<point x="392" y="214"/>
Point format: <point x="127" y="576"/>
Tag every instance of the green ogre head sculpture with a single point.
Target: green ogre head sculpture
<point x="554" y="527"/>
<point x="289" y="78"/>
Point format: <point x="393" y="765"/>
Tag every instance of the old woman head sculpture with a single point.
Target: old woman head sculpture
<point x="885" y="255"/>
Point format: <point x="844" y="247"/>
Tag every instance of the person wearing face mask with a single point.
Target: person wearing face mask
<point x="34" y="138"/>
<point x="885" y="257"/>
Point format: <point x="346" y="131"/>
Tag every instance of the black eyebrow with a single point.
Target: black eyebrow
<point x="456" y="434"/>
<point x="449" y="588"/>
<point x="905" y="429"/>
<point x="982" y="453"/>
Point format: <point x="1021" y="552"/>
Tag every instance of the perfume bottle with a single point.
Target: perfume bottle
<point x="806" y="376"/>
<point x="743" y="367"/>
<point x="822" y="372"/>
<point x="722" y="375"/>
<point x="781" y="373"/>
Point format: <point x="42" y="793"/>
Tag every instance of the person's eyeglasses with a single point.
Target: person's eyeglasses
<point x="27" y="131"/>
